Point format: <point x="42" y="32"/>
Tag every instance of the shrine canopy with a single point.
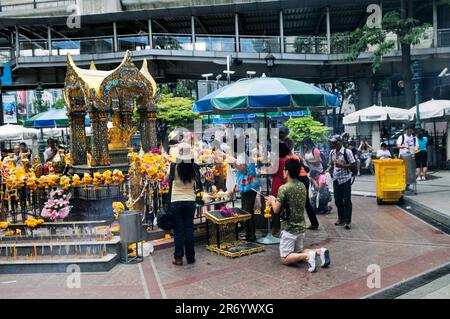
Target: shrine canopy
<point x="81" y="84"/>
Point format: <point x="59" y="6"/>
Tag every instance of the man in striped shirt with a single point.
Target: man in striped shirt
<point x="341" y="162"/>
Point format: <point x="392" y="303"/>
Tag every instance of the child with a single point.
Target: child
<point x="321" y="193"/>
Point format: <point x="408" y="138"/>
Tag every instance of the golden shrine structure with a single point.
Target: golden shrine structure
<point x="104" y="95"/>
<point x="108" y="96"/>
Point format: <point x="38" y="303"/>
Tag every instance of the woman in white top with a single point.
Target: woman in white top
<point x="183" y="202"/>
<point x="383" y="153"/>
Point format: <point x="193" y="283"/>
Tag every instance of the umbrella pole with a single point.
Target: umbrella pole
<point x="267" y="137"/>
<point x="41" y="145"/>
<point x="436" y="149"/>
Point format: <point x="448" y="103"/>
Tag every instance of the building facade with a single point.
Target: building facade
<point x="185" y="38"/>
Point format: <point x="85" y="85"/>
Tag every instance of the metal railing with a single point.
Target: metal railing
<point x="133" y="42"/>
<point x="306" y="45"/>
<point x="35" y="4"/>
<point x="31" y="48"/>
<point x="5" y="55"/>
<point x="223" y="43"/>
<point x="443" y="36"/>
<point x="163" y="41"/>
<point x="339" y="44"/>
<point x="253" y="44"/>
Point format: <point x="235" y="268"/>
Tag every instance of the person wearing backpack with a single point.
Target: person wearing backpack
<point x="407" y="143"/>
<point x="342" y="167"/>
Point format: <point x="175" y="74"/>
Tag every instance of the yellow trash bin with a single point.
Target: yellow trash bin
<point x="390" y="176"/>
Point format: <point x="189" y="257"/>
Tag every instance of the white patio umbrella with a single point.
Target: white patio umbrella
<point x="89" y="128"/>
<point x="377" y="113"/>
<point x="10" y="132"/>
<point x="432" y="109"/>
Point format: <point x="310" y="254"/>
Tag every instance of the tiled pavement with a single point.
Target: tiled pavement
<point x="402" y="245"/>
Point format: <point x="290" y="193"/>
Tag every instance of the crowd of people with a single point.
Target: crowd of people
<point x="23" y="156"/>
<point x="288" y="198"/>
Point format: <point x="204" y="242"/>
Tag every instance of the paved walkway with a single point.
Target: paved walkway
<point x="437" y="289"/>
<point x="431" y="194"/>
<point x="399" y="243"/>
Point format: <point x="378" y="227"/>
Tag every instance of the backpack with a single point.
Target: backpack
<point x="403" y="139"/>
<point x="320" y="200"/>
<point x="353" y="168"/>
<point x="324" y="160"/>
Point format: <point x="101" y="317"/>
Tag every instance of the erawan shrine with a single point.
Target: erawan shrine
<point x="98" y="203"/>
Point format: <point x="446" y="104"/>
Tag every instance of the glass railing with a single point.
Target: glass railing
<point x="133" y="42"/>
<point x="443" y="38"/>
<point x="5" y="55"/>
<point x="306" y="45"/>
<point x="82" y="46"/>
<point x="172" y="42"/>
<point x="215" y="43"/>
<point x="340" y="43"/>
<point x="34" y="48"/>
<point x="259" y="44"/>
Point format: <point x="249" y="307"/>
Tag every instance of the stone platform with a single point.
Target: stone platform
<point x="53" y="247"/>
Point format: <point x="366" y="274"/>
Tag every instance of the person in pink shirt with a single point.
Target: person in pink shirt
<point x="321" y="193"/>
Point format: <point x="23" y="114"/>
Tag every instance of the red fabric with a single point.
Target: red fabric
<point x="278" y="179"/>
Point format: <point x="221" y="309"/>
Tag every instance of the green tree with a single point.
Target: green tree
<point x="302" y="127"/>
<point x="409" y="32"/>
<point x="59" y="104"/>
<point x="176" y="111"/>
<point x="41" y="107"/>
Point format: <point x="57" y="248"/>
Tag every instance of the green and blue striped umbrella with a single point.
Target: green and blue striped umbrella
<point x="50" y="119"/>
<point x="265" y="94"/>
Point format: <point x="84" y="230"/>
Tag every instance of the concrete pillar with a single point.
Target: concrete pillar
<point x="435" y="25"/>
<point x="116" y="43"/>
<point x="150" y="34"/>
<point x="281" y="31"/>
<point x="328" y="31"/>
<point x="376" y="136"/>
<point x="448" y="144"/>
<point x="193" y="32"/>
<point x="17" y="43"/>
<point x="365" y="97"/>
<point x="49" y="36"/>
<point x="236" y="31"/>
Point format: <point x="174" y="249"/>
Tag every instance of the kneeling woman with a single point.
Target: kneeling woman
<point x="292" y="198"/>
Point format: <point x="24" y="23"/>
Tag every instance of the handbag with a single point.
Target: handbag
<point x="165" y="218"/>
<point x="198" y="186"/>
